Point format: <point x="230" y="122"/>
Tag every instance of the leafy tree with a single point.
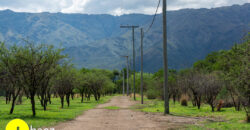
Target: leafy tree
<point x="98" y="82"/>
<point x="82" y="85"/>
<point x="9" y="62"/>
<point x="64" y="83"/>
<point x="36" y="64"/>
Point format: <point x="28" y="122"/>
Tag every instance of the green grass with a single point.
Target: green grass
<point x="229" y="118"/>
<point x="112" y="107"/>
<point x="53" y="115"/>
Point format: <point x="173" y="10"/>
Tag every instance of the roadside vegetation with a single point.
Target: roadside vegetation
<point x="227" y="118"/>
<point x="40" y="85"/>
<point x="218" y="87"/>
<point x="53" y="115"/>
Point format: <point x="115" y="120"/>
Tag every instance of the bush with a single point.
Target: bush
<point x="184" y="100"/>
<point x="151" y="94"/>
<point x="220" y="105"/>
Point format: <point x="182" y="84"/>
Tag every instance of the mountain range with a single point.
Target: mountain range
<point x="97" y="41"/>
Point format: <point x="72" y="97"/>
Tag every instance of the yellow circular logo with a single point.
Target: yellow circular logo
<point x="17" y="124"/>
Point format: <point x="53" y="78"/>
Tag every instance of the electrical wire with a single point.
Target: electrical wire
<point x="154" y="17"/>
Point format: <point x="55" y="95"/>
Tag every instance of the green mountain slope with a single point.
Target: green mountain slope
<point x="96" y="41"/>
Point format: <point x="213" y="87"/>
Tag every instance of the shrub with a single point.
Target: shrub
<point x="248" y="118"/>
<point x="151" y="94"/>
<point x="220" y="105"/>
<point x="184" y="100"/>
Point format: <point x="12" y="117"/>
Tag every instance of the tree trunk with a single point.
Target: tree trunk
<point x="212" y="108"/>
<point x="82" y="97"/>
<point x="95" y="97"/>
<point x="198" y="102"/>
<point x="234" y="102"/>
<point x="89" y="97"/>
<point x="62" y="101"/>
<point x="13" y="100"/>
<point x="45" y="103"/>
<point x="194" y="103"/>
<point x="98" y="96"/>
<point x="198" y="105"/>
<point x="41" y="101"/>
<point x="12" y="105"/>
<point x="72" y="95"/>
<point x="49" y="96"/>
<point x="7" y="98"/>
<point x="32" y="97"/>
<point x="20" y="101"/>
<point x="174" y="98"/>
<point x="67" y="99"/>
<point x="238" y="105"/>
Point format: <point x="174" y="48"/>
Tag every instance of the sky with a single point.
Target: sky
<point x="113" y="7"/>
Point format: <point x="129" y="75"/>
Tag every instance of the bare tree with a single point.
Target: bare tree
<point x="212" y="86"/>
<point x="192" y="82"/>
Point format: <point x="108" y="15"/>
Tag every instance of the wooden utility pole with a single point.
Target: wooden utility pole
<point x="133" y="39"/>
<point x="165" y="60"/>
<point x="127" y="57"/>
<point x="123" y="86"/>
<point x="127" y="76"/>
<point x="142" y="35"/>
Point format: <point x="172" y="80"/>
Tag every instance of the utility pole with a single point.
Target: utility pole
<point x="142" y="35"/>
<point x="127" y="76"/>
<point x="133" y="39"/>
<point x="165" y="60"/>
<point x="123" y="81"/>
<point x="127" y="57"/>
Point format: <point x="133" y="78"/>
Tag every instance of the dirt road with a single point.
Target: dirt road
<point x="123" y="119"/>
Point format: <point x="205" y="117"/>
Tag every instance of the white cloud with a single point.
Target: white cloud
<point x="119" y="11"/>
<point x="180" y="4"/>
<point x="115" y="7"/>
<point x="75" y="6"/>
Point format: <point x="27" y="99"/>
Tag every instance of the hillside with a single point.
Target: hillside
<point x="96" y="41"/>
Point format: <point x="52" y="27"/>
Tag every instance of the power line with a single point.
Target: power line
<point x="154" y="17"/>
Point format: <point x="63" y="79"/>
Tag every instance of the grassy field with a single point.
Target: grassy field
<point x="228" y="117"/>
<point x="53" y="115"/>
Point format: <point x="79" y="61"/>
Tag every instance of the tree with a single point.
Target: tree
<point x="212" y="86"/>
<point x="173" y="86"/>
<point x="36" y="62"/>
<point x="239" y="73"/>
<point x="99" y="82"/>
<point x="193" y="83"/>
<point x="9" y="62"/>
<point x="64" y="83"/>
<point x="82" y="85"/>
<point x="4" y="85"/>
<point x="51" y="71"/>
